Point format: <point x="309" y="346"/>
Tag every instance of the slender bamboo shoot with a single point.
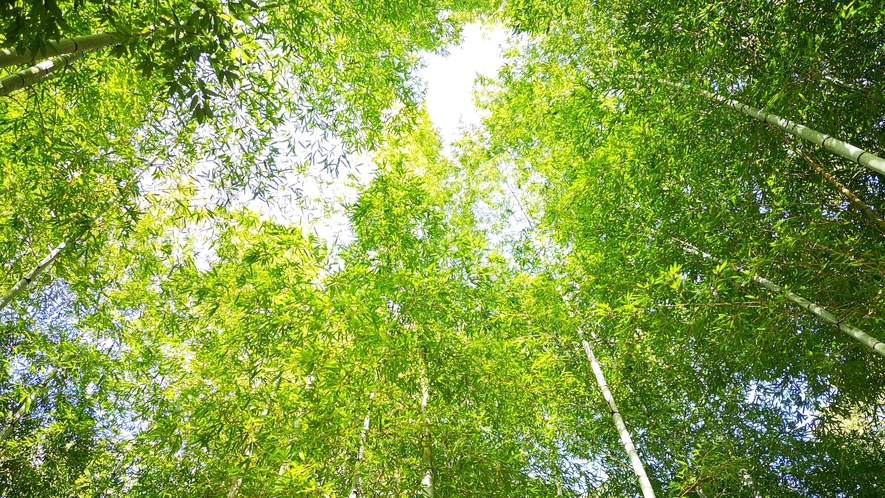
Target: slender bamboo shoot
<point x="26" y="281"/>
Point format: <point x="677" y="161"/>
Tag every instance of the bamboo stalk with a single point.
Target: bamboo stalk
<point x="70" y="50"/>
<point x="356" y="477"/>
<point x="26" y="280"/>
<point x="427" y="443"/>
<point x="10" y="57"/>
<point x="626" y="440"/>
<point x="862" y="337"/>
<point x="35" y="73"/>
<point x="855" y="201"/>
<point x="623" y="433"/>
<point x="832" y="144"/>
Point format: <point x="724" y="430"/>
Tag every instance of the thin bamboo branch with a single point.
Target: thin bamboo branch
<point x="862" y="337"/>
<point x="356" y="477"/>
<point x="427" y="443"/>
<point x="841" y="84"/>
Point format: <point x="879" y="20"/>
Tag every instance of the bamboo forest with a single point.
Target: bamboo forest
<point x="240" y="259"/>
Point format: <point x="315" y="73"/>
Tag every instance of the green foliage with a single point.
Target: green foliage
<point x="625" y="166"/>
<point x="185" y="346"/>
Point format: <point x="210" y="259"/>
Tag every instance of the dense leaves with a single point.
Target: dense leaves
<point x="183" y="344"/>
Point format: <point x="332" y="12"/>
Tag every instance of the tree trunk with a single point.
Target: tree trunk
<point x="635" y="461"/>
<point x="867" y="340"/>
<point x="35" y="73"/>
<point x="844" y="149"/>
<point x="25" y="281"/>
<point x="9" y="57"/>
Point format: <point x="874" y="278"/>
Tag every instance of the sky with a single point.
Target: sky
<point x="449" y="99"/>
<point x="314" y="199"/>
<point x="450" y="78"/>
